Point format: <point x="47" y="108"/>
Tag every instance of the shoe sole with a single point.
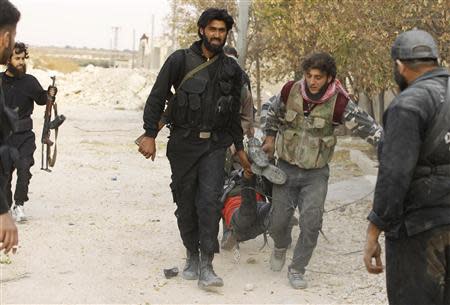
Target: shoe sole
<point x="299" y="287"/>
<point x="271" y="172"/>
<point x="21" y="220"/>
<point x="209" y="288"/>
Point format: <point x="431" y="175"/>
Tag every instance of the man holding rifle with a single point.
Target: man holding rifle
<point x="205" y="120"/>
<point x="21" y="91"/>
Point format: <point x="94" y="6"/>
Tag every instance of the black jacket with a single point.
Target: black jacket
<point x="22" y="92"/>
<point x="171" y="75"/>
<point x="8" y="154"/>
<point x="405" y="203"/>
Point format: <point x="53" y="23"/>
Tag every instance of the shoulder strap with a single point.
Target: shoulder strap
<point x="197" y="69"/>
<point x="439" y="128"/>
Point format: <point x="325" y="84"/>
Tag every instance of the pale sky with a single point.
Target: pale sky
<point x="88" y="23"/>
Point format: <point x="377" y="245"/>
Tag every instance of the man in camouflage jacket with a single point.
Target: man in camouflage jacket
<point x="300" y="128"/>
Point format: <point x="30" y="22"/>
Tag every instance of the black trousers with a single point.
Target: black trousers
<point x="197" y="182"/>
<point x="417" y="268"/>
<point x="25" y="144"/>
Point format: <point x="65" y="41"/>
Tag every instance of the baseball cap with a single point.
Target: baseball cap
<point x="414" y="44"/>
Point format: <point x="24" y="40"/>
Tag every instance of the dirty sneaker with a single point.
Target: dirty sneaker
<point x="18" y="213"/>
<point x="256" y="154"/>
<point x="277" y="259"/>
<point x="271" y="172"/>
<point x="297" y="279"/>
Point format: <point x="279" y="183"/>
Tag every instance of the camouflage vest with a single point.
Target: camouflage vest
<point x="307" y="142"/>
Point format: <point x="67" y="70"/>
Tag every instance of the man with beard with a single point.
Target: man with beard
<point x="9" y="17"/>
<point x="304" y="119"/>
<point x="204" y="120"/>
<point x="21" y="91"/>
<point x="412" y="194"/>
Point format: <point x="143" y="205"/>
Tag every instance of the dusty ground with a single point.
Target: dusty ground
<point x="102" y="228"/>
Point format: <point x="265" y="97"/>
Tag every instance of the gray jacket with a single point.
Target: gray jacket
<point x="404" y="202"/>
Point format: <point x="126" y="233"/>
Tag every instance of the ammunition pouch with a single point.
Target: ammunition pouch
<point x="187" y="103"/>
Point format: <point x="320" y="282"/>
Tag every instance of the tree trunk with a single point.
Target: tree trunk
<point x="258" y="85"/>
<point x="381" y="106"/>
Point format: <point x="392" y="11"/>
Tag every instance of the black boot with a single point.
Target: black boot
<point x="208" y="277"/>
<point x="191" y="268"/>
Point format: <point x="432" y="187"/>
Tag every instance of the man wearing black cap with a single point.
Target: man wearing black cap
<point x="205" y="121"/>
<point x="412" y="195"/>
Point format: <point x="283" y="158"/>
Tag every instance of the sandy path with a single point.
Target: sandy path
<point x="102" y="228"/>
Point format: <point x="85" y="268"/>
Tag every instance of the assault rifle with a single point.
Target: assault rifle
<point x="50" y="123"/>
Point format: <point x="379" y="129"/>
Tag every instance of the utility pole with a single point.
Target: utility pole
<point x="174" y="24"/>
<point x="115" y="41"/>
<point x="133" y="55"/>
<point x="152" y="44"/>
<point x="241" y="45"/>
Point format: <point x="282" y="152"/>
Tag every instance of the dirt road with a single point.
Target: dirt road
<point x="102" y="228"/>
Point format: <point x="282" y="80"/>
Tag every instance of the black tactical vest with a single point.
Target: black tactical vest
<point x="435" y="150"/>
<point x="429" y="187"/>
<point x="204" y="102"/>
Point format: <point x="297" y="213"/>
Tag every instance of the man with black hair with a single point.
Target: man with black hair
<point x="303" y="118"/>
<point x="9" y="17"/>
<point x="412" y="195"/>
<point x="21" y="91"/>
<point x="204" y="121"/>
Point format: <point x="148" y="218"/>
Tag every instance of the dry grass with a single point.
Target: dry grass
<point x="63" y="65"/>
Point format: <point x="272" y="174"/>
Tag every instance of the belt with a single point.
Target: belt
<point x="197" y="134"/>
<point x="438" y="170"/>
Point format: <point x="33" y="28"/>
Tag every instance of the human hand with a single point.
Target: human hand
<point x="372" y="250"/>
<point x="147" y="148"/>
<point x="245" y="163"/>
<point x="9" y="236"/>
<point x="51" y="92"/>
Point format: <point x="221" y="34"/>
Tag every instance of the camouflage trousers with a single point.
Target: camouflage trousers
<point x="305" y="190"/>
<point x="418" y="268"/>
